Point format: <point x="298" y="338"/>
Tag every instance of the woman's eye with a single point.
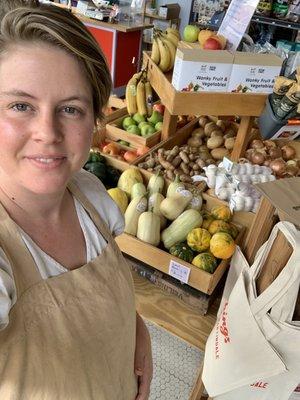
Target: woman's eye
<point x="20" y="107"/>
<point x="71" y="110"/>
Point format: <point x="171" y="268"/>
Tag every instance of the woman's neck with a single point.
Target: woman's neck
<point x="25" y="206"/>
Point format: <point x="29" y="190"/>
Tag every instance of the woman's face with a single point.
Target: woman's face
<point x="46" y="118"/>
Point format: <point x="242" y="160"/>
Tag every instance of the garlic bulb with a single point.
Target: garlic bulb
<point x="249" y="202"/>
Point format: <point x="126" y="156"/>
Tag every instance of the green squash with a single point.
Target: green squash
<point x="206" y="261"/>
<point x="182" y="250"/>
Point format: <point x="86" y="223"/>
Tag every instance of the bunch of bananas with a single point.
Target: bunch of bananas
<point x="139" y="95"/>
<point x="164" y="48"/>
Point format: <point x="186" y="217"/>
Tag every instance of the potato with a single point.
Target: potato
<point x="209" y="127"/>
<point x="203" y="121"/>
<point x="199" y="132"/>
<point x="230" y="131"/>
<point x="229" y="143"/>
<point x="215" y="142"/>
<point x="194" y="141"/>
<point x="221" y="124"/>
<point x="219" y="153"/>
<point x="216" y="132"/>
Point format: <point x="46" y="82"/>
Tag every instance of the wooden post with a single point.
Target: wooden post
<point x="260" y="229"/>
<point x="198" y="387"/>
<point x="169" y="125"/>
<point x="242" y="138"/>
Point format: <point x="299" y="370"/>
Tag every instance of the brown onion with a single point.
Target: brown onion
<point x="288" y="152"/>
<point x="267" y="161"/>
<point x="257" y="158"/>
<point x="248" y="154"/>
<point x="275" y="152"/>
<point x="257" y="144"/>
<point x="269" y="144"/>
<point x="278" y="166"/>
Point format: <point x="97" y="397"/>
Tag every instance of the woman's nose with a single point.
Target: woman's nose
<point x="47" y="128"/>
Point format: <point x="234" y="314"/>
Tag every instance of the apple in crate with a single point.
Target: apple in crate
<point x="134" y="129"/>
<point x="127" y="122"/>
<point x="147" y="130"/>
<point x="138" y="118"/>
<point x="212" y="43"/>
<point x="159" y="107"/>
<point x="190" y="33"/>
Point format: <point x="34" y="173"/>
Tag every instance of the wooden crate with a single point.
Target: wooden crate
<point x="115" y="132"/>
<point x="160" y="259"/>
<point x="240" y="217"/>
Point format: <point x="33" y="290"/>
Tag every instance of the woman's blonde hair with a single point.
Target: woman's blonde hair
<point x="58" y="27"/>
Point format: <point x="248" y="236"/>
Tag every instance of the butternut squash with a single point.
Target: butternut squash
<point x="148" y="229"/>
<point x="136" y="207"/>
<point x="173" y="206"/>
<point x="154" y="202"/>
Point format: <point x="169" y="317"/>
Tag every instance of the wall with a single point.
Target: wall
<point x="184" y="12"/>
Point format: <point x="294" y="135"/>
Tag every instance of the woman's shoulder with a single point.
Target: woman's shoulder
<point x="96" y="193"/>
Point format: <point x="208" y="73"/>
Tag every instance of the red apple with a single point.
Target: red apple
<point x="159" y="107"/>
<point x="140" y="151"/>
<point x="130" y="156"/>
<point x="212" y="44"/>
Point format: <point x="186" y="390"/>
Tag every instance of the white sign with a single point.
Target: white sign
<point x="236" y="21"/>
<point x="288" y="132"/>
<point x="199" y="76"/>
<point x="179" y="271"/>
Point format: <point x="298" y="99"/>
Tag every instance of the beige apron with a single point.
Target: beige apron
<point x="72" y="336"/>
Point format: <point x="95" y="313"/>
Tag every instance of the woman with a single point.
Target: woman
<point x="68" y="324"/>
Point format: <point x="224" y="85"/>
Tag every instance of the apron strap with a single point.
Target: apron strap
<point x="94" y="214"/>
<point x="22" y="263"/>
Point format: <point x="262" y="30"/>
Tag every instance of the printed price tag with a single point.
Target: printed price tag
<point x="227" y="164"/>
<point x="179" y="271"/>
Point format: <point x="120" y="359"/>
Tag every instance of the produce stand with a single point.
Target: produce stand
<point x="245" y="105"/>
<point x="159" y="258"/>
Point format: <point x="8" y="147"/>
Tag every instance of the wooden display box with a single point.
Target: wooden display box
<point x="240" y="217"/>
<point x="160" y="259"/>
<point x="115" y="132"/>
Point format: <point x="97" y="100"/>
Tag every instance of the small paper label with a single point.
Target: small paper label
<point x="179" y="271"/>
<point x="141" y="207"/>
<point x="185" y="193"/>
<point x="227" y="164"/>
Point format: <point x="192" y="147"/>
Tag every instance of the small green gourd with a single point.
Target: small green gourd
<point x="182" y="250"/>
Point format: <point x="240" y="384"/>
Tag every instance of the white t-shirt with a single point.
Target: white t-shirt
<point x="95" y="243"/>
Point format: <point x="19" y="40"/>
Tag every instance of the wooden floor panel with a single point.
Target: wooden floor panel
<point x="168" y="311"/>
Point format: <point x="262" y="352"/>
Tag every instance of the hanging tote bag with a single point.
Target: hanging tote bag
<point x="247" y="354"/>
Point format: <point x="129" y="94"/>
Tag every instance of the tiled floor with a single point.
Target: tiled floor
<point x="176" y="364"/>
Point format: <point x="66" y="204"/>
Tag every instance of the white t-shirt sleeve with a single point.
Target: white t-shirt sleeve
<point x="96" y="193"/>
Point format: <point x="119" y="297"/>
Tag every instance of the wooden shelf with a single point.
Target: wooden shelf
<point x="205" y="103"/>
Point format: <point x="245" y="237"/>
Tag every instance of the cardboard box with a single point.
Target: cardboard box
<point x="284" y="194"/>
<point x="254" y="73"/>
<point x="201" y="70"/>
<point x="169" y="11"/>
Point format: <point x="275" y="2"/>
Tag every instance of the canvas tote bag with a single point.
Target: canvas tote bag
<point x="250" y="350"/>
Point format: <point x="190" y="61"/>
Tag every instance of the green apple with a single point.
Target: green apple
<point x="133" y="129"/>
<point x="127" y="122"/>
<point x="155" y="118"/>
<point x="190" y="33"/>
<point x="138" y="118"/>
<point x="143" y="123"/>
<point x="158" y="126"/>
<point x="147" y="130"/>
